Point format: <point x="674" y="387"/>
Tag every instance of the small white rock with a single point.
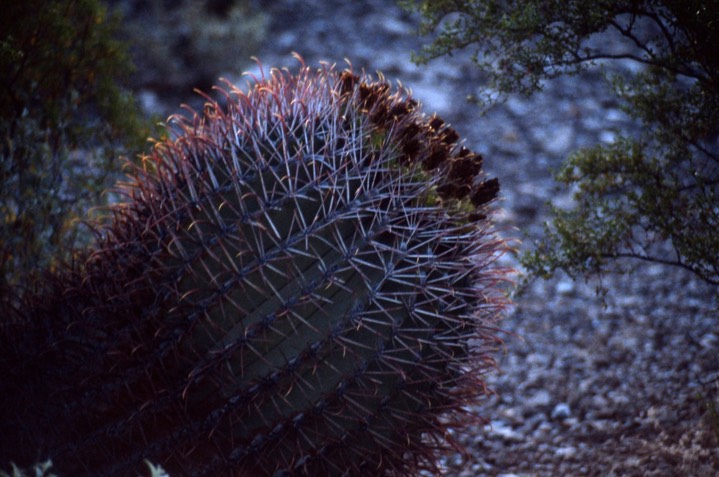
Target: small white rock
<point x="565" y="287"/>
<point x="561" y="411"/>
<point x="501" y="429"/>
<point x="541" y="398"/>
<point x="565" y="452"/>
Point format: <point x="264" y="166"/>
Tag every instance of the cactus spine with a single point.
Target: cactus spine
<point x="299" y="283"/>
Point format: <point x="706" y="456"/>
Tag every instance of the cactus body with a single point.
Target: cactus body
<point x="299" y="283"/>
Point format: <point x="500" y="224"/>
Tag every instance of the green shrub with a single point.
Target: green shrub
<point x="64" y="119"/>
<point x="639" y="194"/>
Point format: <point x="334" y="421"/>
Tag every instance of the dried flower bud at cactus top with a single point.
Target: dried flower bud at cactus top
<point x="300" y="283"/>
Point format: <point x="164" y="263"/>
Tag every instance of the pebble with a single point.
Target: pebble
<point x="505" y="432"/>
<point x="565" y="286"/>
<point x="607" y="137"/>
<point x="561" y="411"/>
<point x="541" y="398"/>
<point x="566" y="452"/>
<point x="709" y="341"/>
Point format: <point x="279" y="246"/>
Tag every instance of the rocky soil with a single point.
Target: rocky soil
<point x="626" y="386"/>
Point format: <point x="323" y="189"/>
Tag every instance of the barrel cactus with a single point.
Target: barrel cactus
<point x="299" y="281"/>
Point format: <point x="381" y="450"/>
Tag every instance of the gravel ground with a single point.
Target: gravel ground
<point x="626" y="386"/>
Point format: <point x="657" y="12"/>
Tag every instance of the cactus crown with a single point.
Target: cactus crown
<point x="299" y="283"/>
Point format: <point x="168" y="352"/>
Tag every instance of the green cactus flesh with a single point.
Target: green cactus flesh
<point x="299" y="283"/>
